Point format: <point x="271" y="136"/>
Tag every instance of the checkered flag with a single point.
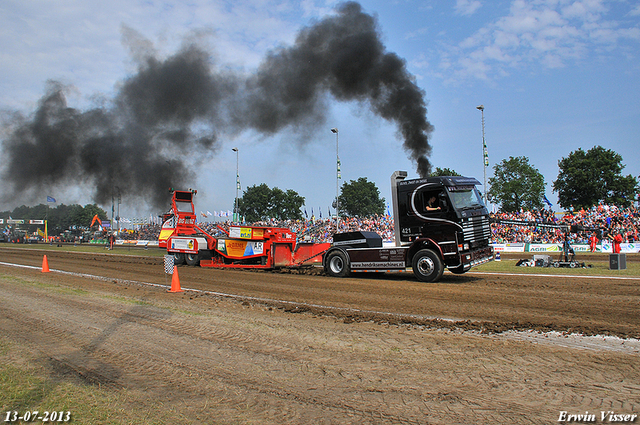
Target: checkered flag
<point x="168" y="264"/>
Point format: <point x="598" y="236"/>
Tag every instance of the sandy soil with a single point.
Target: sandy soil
<point x="263" y="347"/>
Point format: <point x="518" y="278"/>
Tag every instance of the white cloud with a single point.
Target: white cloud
<point x="43" y="39"/>
<point x="547" y="33"/>
<point x="586" y="10"/>
<point x="467" y="7"/>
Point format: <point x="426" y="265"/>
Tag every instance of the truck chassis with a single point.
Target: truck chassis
<point x="427" y="239"/>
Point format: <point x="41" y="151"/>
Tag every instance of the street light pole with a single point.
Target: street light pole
<point x="485" y="157"/>
<point x="119" y="202"/>
<point x="112" y="211"/>
<point x="235" y="209"/>
<point x="335" y="131"/>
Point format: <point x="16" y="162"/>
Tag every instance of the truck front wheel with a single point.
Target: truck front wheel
<point x="337" y="264"/>
<point x="427" y="266"/>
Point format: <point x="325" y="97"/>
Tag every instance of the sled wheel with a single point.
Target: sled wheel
<point x="178" y="258"/>
<point x="192" y="259"/>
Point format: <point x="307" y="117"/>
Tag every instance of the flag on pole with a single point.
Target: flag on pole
<point x="50" y="199"/>
<point x="485" y="152"/>
<point x="339" y="174"/>
<point x="546" y="201"/>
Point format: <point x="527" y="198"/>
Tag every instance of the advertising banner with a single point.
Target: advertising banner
<point x="627" y="248"/>
<point x="555" y="247"/>
<point x="234" y="248"/>
<point x="183" y="244"/>
<point x="509" y="247"/>
<point x="245" y="233"/>
<point x="539" y="247"/>
<point x="582" y="248"/>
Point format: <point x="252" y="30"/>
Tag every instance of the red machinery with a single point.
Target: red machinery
<point x="241" y="247"/>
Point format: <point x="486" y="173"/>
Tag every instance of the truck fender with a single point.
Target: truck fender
<point x="423" y="243"/>
<point x="332" y="249"/>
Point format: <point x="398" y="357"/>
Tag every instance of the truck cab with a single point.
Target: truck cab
<point x="445" y="215"/>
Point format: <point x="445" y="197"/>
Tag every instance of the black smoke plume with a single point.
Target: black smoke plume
<point x="168" y="116"/>
<point x="343" y="56"/>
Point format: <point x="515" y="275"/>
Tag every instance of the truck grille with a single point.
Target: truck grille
<point x="476" y="229"/>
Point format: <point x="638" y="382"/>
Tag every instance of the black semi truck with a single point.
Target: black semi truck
<point x="440" y="222"/>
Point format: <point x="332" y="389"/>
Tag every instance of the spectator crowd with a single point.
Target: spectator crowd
<point x="319" y="230"/>
<point x="146" y="232"/>
<point x="605" y="221"/>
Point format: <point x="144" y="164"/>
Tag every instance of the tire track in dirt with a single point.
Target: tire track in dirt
<point x="491" y="304"/>
<point x="72" y="356"/>
<point x="93" y="362"/>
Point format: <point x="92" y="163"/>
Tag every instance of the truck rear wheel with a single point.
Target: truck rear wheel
<point x="427" y="266"/>
<point x="337" y="264"/>
<point x="192" y="259"/>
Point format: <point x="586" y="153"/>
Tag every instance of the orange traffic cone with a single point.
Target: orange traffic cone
<point x="175" y="282"/>
<point x="45" y="265"/>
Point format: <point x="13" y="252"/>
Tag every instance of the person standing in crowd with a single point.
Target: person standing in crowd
<point x="617" y="240"/>
<point x="593" y="241"/>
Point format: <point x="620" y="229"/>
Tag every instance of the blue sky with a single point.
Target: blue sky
<point x="553" y="76"/>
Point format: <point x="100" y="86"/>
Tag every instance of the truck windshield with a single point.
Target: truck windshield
<point x="465" y="197"/>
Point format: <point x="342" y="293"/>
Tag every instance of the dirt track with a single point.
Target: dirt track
<point x="374" y="349"/>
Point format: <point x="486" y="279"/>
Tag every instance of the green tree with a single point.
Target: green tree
<point x="261" y="203"/>
<point x="443" y="172"/>
<point x="254" y="203"/>
<point x="286" y="205"/>
<point x="61" y="218"/>
<point x="360" y="198"/>
<point x="585" y="178"/>
<point x="516" y="184"/>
